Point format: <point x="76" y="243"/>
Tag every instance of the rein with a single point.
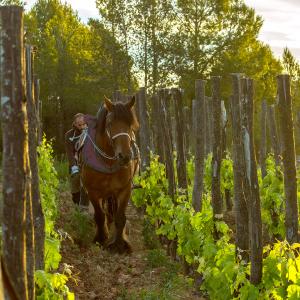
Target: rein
<point x="100" y="151"/>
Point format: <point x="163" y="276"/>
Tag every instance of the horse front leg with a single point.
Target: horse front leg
<point x="99" y="217"/>
<point x="118" y="242"/>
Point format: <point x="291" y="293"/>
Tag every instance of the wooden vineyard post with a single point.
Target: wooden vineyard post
<point x="224" y="122"/>
<point x="208" y="125"/>
<point x="144" y="129"/>
<point x="117" y="96"/>
<point x="169" y="105"/>
<point x="16" y="176"/>
<point x="199" y="123"/>
<point x="30" y="232"/>
<point x="288" y="157"/>
<point x="217" y="202"/>
<point x="194" y="123"/>
<point x="263" y="139"/>
<point x="240" y="205"/>
<point x="36" y="207"/>
<point x="36" y="93"/>
<point x="186" y="115"/>
<point x="273" y="131"/>
<point x="166" y="131"/>
<point x="251" y="183"/>
<point x="157" y="125"/>
<point x="181" y="157"/>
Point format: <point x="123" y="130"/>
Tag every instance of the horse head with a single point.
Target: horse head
<point x="118" y="122"/>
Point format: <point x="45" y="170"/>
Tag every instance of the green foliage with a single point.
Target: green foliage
<point x="81" y="226"/>
<point x="272" y="199"/>
<point x="50" y="285"/>
<point x="226" y="175"/>
<point x="12" y="2"/>
<point x="48" y="184"/>
<point x="157" y="258"/>
<point x="150" y="239"/>
<point x="62" y="168"/>
<point x="77" y="64"/>
<point x="225" y="275"/>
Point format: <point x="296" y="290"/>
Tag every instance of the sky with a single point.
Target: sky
<point x="281" y="24"/>
<point x="281" y="21"/>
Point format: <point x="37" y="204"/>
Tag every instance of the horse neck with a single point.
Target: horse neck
<point x="103" y="142"/>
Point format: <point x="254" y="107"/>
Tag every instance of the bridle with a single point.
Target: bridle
<point x="111" y="140"/>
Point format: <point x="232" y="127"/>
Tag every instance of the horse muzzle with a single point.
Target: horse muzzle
<point x="123" y="160"/>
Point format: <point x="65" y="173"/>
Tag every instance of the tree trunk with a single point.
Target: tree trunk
<point x="288" y="157"/>
<point x="263" y="139"/>
<point x="240" y="205"/>
<point x="16" y="176"/>
<point x="251" y="183"/>
<point x="217" y="202"/>
<point x="199" y="123"/>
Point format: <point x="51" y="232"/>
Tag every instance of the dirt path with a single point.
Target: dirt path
<point x="145" y="274"/>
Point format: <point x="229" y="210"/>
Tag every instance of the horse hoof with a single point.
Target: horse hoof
<point x="120" y="247"/>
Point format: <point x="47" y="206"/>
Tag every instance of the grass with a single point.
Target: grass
<point x="81" y="227"/>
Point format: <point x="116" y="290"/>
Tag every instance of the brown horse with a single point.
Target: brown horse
<point x="109" y="192"/>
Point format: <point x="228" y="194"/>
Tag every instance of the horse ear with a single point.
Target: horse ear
<point x="108" y="104"/>
<point x="131" y="102"/>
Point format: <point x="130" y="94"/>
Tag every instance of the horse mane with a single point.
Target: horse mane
<point x="120" y="112"/>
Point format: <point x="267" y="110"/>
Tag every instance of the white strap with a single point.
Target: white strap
<point x="121" y="134"/>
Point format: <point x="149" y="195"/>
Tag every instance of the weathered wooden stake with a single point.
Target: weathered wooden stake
<point x="263" y="139"/>
<point x="181" y="156"/>
<point x="15" y="163"/>
<point x="240" y="205"/>
<point x="37" y="100"/>
<point x="144" y="129"/>
<point x="224" y="123"/>
<point x="186" y="115"/>
<point x="208" y="125"/>
<point x="199" y="129"/>
<point x="157" y="125"/>
<point x="251" y="183"/>
<point x="30" y="234"/>
<point x="217" y="202"/>
<point x="168" y="144"/>
<point x="273" y="132"/>
<point x="288" y="157"/>
<point x="36" y="206"/>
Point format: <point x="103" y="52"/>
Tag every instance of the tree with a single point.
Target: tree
<point x="74" y="64"/>
<point x="116" y="17"/>
<point x="12" y="2"/>
<point x="206" y="31"/>
<point x="292" y="67"/>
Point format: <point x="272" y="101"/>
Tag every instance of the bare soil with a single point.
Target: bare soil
<point x="98" y="274"/>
